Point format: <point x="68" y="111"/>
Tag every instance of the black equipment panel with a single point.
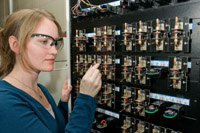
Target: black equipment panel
<point x="150" y="62"/>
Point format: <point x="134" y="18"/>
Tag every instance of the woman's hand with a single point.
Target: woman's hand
<point x="91" y="81"/>
<point x="66" y="91"/>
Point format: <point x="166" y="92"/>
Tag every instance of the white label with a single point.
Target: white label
<point x="168" y="98"/>
<point x="113" y="114"/>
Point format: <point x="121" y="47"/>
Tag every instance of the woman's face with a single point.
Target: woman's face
<point x="40" y="54"/>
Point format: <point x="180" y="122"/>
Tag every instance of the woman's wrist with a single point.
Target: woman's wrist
<point x="64" y="98"/>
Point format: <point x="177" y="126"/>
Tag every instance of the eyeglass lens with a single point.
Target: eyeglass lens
<point x="47" y="41"/>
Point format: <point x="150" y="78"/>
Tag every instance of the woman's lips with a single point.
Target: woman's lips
<point x="50" y="60"/>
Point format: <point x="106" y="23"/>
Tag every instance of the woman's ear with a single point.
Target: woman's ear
<point x="13" y="42"/>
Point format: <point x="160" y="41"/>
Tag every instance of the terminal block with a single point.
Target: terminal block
<point x="127" y="124"/>
<point x="88" y="61"/>
<point x="79" y="64"/>
<point x="140" y="101"/>
<point x="142" y="39"/>
<point x="133" y="125"/>
<point x="142" y="127"/>
<point x="82" y="64"/>
<point x="95" y="59"/>
<point x="157" y="129"/>
<point x="109" y="38"/>
<point x="86" y="65"/>
<point x="126" y="99"/>
<point x="180" y="34"/>
<point x="107" y="95"/>
<point x="81" y="40"/>
<point x="127" y="72"/>
<point x="141" y="36"/>
<point x="142" y="65"/>
<point x="98" y="33"/>
<point x="98" y="59"/>
<point x="108" y="67"/>
<point x="160" y="40"/>
<point x="99" y="97"/>
<point x="178" y="68"/>
<point x="128" y="35"/>
<point x="104" y="38"/>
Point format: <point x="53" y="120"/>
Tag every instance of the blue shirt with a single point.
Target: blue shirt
<point x="21" y="113"/>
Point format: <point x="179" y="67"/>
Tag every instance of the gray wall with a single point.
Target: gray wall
<point x="3" y="11"/>
<point x="57" y="7"/>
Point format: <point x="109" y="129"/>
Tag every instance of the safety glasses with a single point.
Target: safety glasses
<point x="47" y="41"/>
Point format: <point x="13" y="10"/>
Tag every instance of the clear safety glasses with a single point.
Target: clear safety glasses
<point x="47" y="41"/>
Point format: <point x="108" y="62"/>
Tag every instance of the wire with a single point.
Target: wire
<point x="75" y="9"/>
<point x="95" y="6"/>
<point x="88" y="1"/>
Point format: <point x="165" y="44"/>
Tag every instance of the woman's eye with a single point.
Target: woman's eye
<point x="44" y="42"/>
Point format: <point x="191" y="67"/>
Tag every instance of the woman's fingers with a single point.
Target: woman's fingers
<point x="66" y="91"/>
<point x="91" y="70"/>
<point x="65" y="83"/>
<point x="91" y="81"/>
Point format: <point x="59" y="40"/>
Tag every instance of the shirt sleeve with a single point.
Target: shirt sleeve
<point x="63" y="107"/>
<point x="82" y="115"/>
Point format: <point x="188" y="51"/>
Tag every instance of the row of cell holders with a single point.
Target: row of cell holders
<point x="136" y="101"/>
<point x="166" y="35"/>
<point x="133" y="125"/>
<point x="136" y="70"/>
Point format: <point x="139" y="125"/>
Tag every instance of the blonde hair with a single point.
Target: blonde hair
<point x="20" y="24"/>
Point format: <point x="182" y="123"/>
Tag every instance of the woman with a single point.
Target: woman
<point x="29" y="43"/>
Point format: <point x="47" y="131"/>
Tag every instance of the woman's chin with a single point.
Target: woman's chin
<point x="48" y="70"/>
